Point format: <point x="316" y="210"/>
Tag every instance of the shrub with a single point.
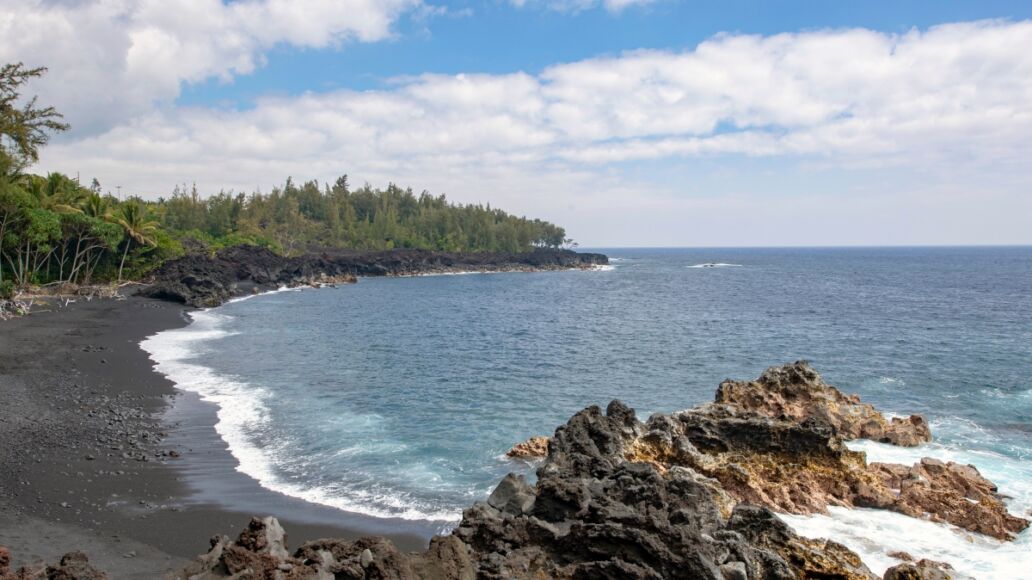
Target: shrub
<point x="6" y="290"/>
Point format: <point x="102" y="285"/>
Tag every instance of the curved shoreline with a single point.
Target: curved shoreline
<point x="410" y="522"/>
<point x="85" y="462"/>
<point x="228" y="414"/>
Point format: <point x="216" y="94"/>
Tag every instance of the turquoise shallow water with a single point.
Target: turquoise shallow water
<point x="397" y="397"/>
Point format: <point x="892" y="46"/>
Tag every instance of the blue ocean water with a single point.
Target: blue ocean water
<point x="397" y="397"/>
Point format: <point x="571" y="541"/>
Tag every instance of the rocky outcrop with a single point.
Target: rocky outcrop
<point x="204" y="281"/>
<point x="949" y="492"/>
<point x="592" y="514"/>
<point x="595" y="514"/>
<point x="796" y="392"/>
<point x="534" y="448"/>
<point x="261" y="552"/>
<point x="921" y="570"/>
<point x="73" y="566"/>
<point x="786" y="453"/>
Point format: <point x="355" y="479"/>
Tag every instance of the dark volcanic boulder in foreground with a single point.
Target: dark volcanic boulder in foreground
<point x="260" y="552"/>
<point x="73" y="566"/>
<point x="796" y="392"/>
<point x="204" y="281"/>
<point x="595" y="514"/>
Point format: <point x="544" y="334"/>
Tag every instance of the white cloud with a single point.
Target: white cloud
<point x="110" y="59"/>
<point x="953" y="102"/>
<point x="613" y="6"/>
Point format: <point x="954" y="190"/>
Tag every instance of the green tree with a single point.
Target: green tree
<point x="137" y="226"/>
<point x="23" y="128"/>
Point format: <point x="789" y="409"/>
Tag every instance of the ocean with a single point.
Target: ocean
<point x="398" y="397"/>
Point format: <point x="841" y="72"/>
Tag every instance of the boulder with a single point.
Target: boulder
<point x="921" y="570"/>
<point x="73" y="566"/>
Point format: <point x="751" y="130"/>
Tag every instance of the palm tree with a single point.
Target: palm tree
<point x="56" y="192"/>
<point x="137" y="228"/>
<point x="95" y="206"/>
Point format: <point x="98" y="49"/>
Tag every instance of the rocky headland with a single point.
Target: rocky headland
<point x="202" y="280"/>
<point x="691" y="494"/>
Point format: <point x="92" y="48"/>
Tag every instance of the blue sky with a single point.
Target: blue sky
<point x="630" y="122"/>
<point x="497" y="37"/>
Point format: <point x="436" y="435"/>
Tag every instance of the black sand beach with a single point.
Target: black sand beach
<point x="93" y="455"/>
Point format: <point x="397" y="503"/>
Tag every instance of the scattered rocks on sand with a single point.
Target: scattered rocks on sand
<point x="73" y="566"/>
<point x="534" y="448"/>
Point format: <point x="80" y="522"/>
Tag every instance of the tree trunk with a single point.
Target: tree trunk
<point x="128" y="243"/>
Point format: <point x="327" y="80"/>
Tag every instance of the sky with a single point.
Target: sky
<point x="628" y="122"/>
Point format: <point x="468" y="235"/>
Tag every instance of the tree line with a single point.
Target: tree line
<point x="54" y="229"/>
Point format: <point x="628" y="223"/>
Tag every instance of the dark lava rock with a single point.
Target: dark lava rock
<point x="73" y="566"/>
<point x="592" y="514"/>
<point x="203" y="281"/>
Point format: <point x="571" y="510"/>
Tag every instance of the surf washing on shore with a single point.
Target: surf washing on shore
<point x="397" y="397"/>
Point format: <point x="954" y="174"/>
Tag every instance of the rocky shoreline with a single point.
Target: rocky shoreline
<point x="205" y="281"/>
<point x="690" y="494"/>
<point x="684" y="495"/>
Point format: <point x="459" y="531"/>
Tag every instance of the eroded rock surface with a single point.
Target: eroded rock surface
<point x="922" y="570"/>
<point x="533" y="448"/>
<point x="796" y="392"/>
<point x="790" y="457"/>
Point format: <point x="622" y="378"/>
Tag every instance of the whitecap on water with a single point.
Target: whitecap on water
<point x="716" y="265"/>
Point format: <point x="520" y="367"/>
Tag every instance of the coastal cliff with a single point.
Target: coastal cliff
<point x="205" y="281"/>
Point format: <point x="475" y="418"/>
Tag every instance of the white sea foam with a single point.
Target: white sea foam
<point x="873" y="534"/>
<point x="243" y="416"/>
<point x="716" y="265"/>
<point x="603" y="268"/>
<point x="266" y="293"/>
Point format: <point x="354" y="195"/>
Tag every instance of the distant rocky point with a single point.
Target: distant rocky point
<point x="204" y="281"/>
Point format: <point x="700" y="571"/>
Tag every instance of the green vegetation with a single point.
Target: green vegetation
<point x="53" y="229"/>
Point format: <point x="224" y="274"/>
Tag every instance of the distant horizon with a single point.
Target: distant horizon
<point x="815" y="247"/>
<point x="656" y="122"/>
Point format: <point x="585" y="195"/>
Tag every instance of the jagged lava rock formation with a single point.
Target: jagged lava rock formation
<point x="786" y="453"/>
<point x="796" y="392"/>
<point x="205" y="281"/>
